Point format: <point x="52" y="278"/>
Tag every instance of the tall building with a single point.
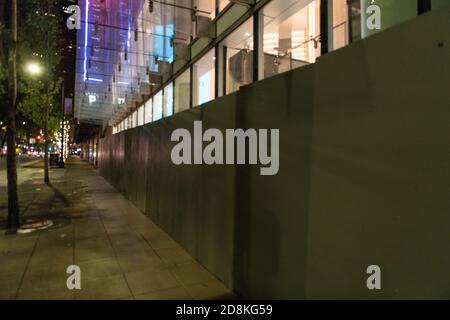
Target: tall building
<point x="345" y="82"/>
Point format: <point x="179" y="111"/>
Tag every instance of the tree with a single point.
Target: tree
<point x="36" y="37"/>
<point x="10" y="51"/>
<point x="41" y="100"/>
<point x="2" y="88"/>
<point x="34" y="100"/>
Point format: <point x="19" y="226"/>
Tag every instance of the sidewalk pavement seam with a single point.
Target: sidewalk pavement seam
<point x="169" y="269"/>
<point x="72" y="188"/>
<point x="115" y="255"/>
<point x="26" y="267"/>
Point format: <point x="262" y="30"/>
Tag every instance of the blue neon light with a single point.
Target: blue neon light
<point x="86" y="40"/>
<point x="94" y="79"/>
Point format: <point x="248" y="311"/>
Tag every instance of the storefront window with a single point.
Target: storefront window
<point x="207" y="8"/>
<point x="291" y="35"/>
<point x="164" y="28"/>
<point x="148" y="111"/>
<point x="141" y="116"/>
<point x="168" y="100"/>
<point x="182" y="92"/>
<point x="341" y="25"/>
<point x="158" y="106"/>
<point x="354" y="24"/>
<point x="134" y="119"/>
<point x="238" y="50"/>
<point x="204" y="79"/>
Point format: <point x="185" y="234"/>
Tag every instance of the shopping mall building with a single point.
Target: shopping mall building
<point x="359" y="91"/>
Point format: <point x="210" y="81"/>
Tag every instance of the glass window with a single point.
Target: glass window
<point x="182" y="91"/>
<point x="183" y="20"/>
<point x="340" y="24"/>
<point x="133" y="120"/>
<point x="158" y="106"/>
<point x="223" y="4"/>
<point x="238" y="49"/>
<point x="363" y="18"/>
<point x="168" y="100"/>
<point x="160" y="26"/>
<point x="204" y="79"/>
<point x="141" y="116"/>
<point x="291" y="34"/>
<point x="136" y="118"/>
<point x="354" y="27"/>
<point x="391" y="13"/>
<point x="148" y="111"/>
<point x="206" y="8"/>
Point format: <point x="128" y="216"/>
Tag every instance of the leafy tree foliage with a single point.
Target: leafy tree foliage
<point x="39" y="35"/>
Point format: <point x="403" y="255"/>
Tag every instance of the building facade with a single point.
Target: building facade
<point x="140" y="61"/>
<point x="364" y="162"/>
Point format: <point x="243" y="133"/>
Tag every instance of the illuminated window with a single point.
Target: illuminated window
<point x="133" y="119"/>
<point x="182" y="91"/>
<point x="149" y="111"/>
<point x="141" y="116"/>
<point x="391" y="14"/>
<point x="238" y="49"/>
<point x="340" y="24"/>
<point x="168" y="100"/>
<point x="223" y="4"/>
<point x="204" y="79"/>
<point x="291" y="35"/>
<point x="207" y="8"/>
<point x="158" y="106"/>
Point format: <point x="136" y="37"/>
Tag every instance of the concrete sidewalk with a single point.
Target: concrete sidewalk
<point x="121" y="253"/>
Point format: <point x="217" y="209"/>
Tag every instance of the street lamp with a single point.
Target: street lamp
<point x="33" y="68"/>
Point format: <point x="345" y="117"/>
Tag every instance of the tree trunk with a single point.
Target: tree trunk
<point x="13" y="201"/>
<point x="2" y="143"/>
<point x="46" y="170"/>
<point x="47" y="107"/>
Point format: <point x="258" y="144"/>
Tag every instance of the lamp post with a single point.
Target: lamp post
<point x="33" y="69"/>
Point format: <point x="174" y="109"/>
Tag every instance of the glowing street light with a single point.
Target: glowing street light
<point x="33" y="69"/>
